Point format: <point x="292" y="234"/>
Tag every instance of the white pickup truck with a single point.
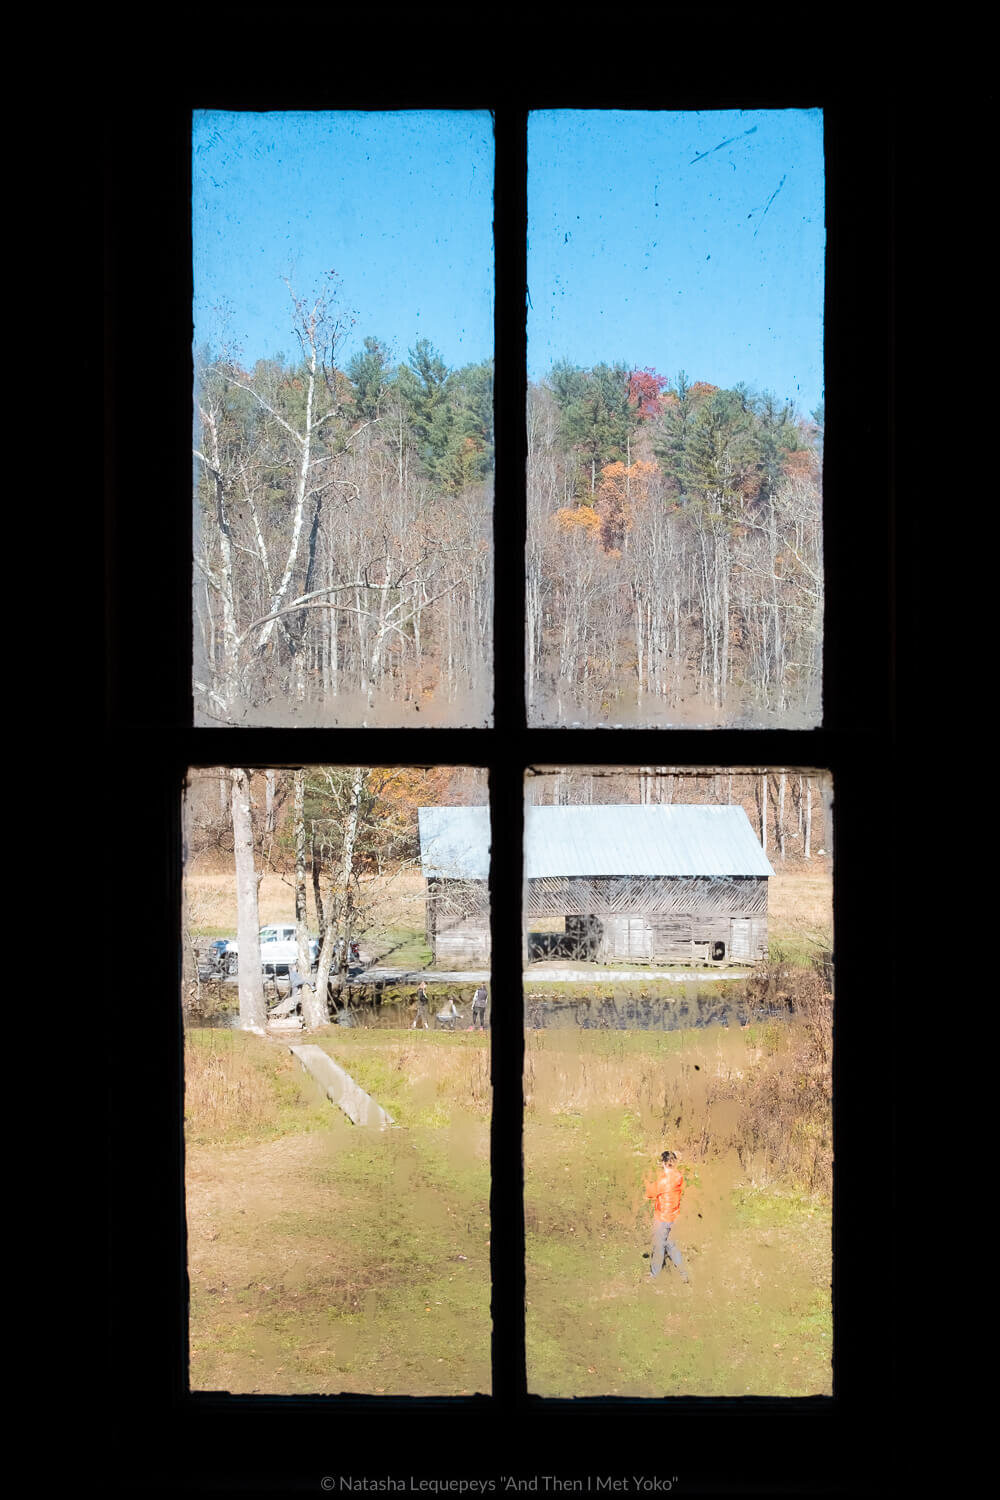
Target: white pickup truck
<point x="278" y="950"/>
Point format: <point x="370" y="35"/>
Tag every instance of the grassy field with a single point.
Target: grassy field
<point x="326" y="1258"/>
<point x="756" y="1316"/>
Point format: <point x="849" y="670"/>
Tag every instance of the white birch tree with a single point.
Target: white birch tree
<point x="253" y="1007"/>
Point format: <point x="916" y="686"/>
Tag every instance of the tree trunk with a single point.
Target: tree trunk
<point x="763" y="812"/>
<point x="325" y="964"/>
<point x="301" y="490"/>
<point x="316" y="862"/>
<point x="809" y="814"/>
<point x="358" y="779"/>
<point x="253" y="1007"/>
<point x="313" y="1008"/>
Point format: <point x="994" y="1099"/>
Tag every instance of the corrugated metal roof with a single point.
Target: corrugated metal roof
<point x="455" y="842"/>
<point x="598" y="840"/>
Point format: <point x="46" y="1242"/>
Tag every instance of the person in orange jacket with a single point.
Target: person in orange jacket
<point x="665" y="1192"/>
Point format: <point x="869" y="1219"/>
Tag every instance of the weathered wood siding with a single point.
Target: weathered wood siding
<point x="682" y="939"/>
<point x="663" y="919"/>
<point x="644" y="896"/>
<point x="461" y="941"/>
<point x="458" y="922"/>
<point x="659" y="920"/>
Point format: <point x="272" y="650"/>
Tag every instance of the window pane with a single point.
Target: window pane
<point x="336" y="1118"/>
<point x="678" y="997"/>
<point x="675" y="418"/>
<point x="344" y="418"/>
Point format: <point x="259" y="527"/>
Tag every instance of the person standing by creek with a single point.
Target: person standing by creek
<point x="480" y="1000"/>
<point x="420" y="1019"/>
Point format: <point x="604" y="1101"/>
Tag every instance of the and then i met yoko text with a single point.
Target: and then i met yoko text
<point x="505" y="1483"/>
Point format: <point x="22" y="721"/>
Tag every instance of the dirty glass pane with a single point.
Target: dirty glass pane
<point x="675" y="418"/>
<point x="337" y="1118"/>
<point x="343" y="422"/>
<point x="678" y="997"/>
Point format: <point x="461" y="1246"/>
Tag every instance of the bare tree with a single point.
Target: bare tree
<point x="253" y="1007"/>
<point x="339" y="906"/>
<point x="314" y="1008"/>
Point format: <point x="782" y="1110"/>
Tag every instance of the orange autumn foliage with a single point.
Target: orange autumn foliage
<point x="622" y="488"/>
<point x="577" y="518"/>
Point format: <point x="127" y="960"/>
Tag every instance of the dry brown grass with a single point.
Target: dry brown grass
<point x="565" y="1076"/>
<point x="224" y="1093"/>
<point x="761" y="1096"/>
<point x="238" y="1086"/>
<point x="211" y="899"/>
<point x="800" y="901"/>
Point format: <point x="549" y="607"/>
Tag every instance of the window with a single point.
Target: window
<point x="151" y="740"/>
<point x="344" y="421"/>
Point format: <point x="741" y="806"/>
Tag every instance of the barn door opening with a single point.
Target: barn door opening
<point x="739" y="937"/>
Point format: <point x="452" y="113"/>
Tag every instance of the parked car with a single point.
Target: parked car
<point x="278" y="950"/>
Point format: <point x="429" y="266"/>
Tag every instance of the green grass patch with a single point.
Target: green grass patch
<point x="399" y="947"/>
<point x="795" y="949"/>
<point x="425" y="1079"/>
<point x="591" y="986"/>
<point x="755" y="1317"/>
<point x="772" y="1208"/>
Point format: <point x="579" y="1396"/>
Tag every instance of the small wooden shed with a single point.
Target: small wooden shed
<point x="666" y="884"/>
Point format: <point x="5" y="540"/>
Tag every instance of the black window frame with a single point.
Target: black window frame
<point x="149" y="741"/>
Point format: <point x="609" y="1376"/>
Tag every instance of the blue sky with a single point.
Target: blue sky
<point x="400" y="204"/>
<point x="678" y="240"/>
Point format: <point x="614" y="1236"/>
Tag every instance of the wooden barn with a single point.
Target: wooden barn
<point x="455" y="861"/>
<point x="648" y="884"/>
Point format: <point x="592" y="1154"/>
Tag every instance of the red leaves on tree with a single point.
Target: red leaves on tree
<point x="644" y="387"/>
<point x="802" y="464"/>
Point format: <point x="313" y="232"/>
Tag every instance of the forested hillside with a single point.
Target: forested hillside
<point x="343" y="556"/>
<point x="343" y="534"/>
<point x="674" y="553"/>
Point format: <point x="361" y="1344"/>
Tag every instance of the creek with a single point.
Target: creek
<point x="696" y="1006"/>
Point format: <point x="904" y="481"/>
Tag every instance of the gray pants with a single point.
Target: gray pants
<point x="663" y="1245"/>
